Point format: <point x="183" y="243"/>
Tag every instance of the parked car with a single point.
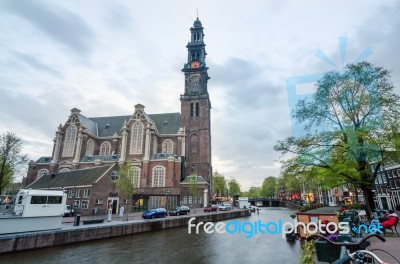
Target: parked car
<point x="155" y="213"/>
<point x="224" y="207"/>
<point x="211" y="208"/>
<point x="68" y="210"/>
<point x="180" y="210"/>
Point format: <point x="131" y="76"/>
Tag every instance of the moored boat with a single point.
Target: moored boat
<point x="34" y="210"/>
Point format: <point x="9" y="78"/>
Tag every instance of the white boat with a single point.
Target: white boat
<point x="34" y="210"/>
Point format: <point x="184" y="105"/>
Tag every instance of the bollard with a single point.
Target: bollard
<point x="77" y="219"/>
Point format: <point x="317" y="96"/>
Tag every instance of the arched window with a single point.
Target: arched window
<point x="41" y="173"/>
<point x="191" y="110"/>
<point x="134" y="176"/>
<point x="69" y="141"/>
<point x="105" y="148"/>
<point x="89" y="148"/>
<point x="197" y="109"/>
<point x="158" y="178"/>
<point x="64" y="170"/>
<point x="168" y="146"/>
<point x="136" y="138"/>
<point x="194" y="143"/>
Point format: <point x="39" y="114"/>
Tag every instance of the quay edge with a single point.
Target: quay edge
<point x="36" y="240"/>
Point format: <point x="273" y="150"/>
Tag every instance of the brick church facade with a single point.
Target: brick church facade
<point x="163" y="149"/>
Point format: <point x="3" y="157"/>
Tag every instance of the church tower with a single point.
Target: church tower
<point x="195" y="107"/>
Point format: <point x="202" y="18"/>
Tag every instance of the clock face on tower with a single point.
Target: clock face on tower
<point x="195" y="64"/>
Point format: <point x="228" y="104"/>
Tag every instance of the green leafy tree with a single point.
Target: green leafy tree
<point x="351" y="121"/>
<point x="269" y="187"/>
<point x="11" y="159"/>
<point x="127" y="184"/>
<point x="219" y="184"/>
<point x="193" y="188"/>
<point x="254" y="192"/>
<point x="234" y="187"/>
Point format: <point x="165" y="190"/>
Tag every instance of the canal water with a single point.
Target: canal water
<point x="176" y="246"/>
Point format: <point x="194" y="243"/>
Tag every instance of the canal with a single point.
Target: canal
<point x="175" y="246"/>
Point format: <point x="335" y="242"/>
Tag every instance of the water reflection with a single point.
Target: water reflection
<point x="175" y="246"/>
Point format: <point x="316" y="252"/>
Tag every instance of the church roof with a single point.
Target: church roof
<point x="70" y="178"/>
<point x="167" y="123"/>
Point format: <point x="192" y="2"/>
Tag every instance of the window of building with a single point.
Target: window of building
<point x="158" y="177"/>
<point x="389" y="173"/>
<point x="197" y="109"/>
<point x="184" y="201"/>
<point x="85" y="204"/>
<point x="99" y="201"/>
<point x="105" y="148"/>
<point x="89" y="148"/>
<point x="70" y="193"/>
<point x="64" y="170"/>
<point x="189" y="199"/>
<point x="114" y="175"/>
<point x="194" y="143"/>
<point x="394" y="173"/>
<point x="136" y="138"/>
<point x="191" y="110"/>
<point x="69" y="141"/>
<point x="86" y="193"/>
<point x="77" y="203"/>
<point x="134" y="176"/>
<point x="168" y="146"/>
<point x="42" y="172"/>
<point x="78" y="193"/>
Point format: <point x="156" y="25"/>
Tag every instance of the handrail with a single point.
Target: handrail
<point x="346" y="244"/>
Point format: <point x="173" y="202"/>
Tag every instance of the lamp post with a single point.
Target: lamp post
<point x="166" y="199"/>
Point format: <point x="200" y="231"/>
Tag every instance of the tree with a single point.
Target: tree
<point x="219" y="184"/>
<point x="269" y="187"/>
<point x="254" y="192"/>
<point x="234" y="187"/>
<point x="351" y="121"/>
<point x="127" y="183"/>
<point x="11" y="161"/>
<point x="193" y="188"/>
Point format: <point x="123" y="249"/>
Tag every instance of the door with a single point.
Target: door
<point x="384" y="203"/>
<point x="113" y="203"/>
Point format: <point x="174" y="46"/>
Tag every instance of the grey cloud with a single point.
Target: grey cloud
<point x="36" y="64"/>
<point x="59" y="24"/>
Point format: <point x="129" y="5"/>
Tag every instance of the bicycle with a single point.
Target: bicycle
<point x="355" y="252"/>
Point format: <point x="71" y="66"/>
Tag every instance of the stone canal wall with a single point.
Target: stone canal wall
<point x="35" y="240"/>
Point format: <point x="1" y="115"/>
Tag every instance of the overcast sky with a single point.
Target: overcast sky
<point x="104" y="57"/>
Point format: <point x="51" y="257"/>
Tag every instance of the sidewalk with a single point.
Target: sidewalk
<point x="392" y="245"/>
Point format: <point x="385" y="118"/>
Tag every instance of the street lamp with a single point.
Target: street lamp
<point x="166" y="198"/>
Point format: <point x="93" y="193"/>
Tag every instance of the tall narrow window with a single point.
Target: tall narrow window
<point x="197" y="109"/>
<point x="136" y="138"/>
<point x="194" y="143"/>
<point x="191" y="109"/>
<point x="105" y="148"/>
<point x="134" y="176"/>
<point x="89" y="148"/>
<point x="168" y="146"/>
<point x="69" y="141"/>
<point x="158" y="179"/>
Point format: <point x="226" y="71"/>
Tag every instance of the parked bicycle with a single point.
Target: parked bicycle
<point x="355" y="252"/>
